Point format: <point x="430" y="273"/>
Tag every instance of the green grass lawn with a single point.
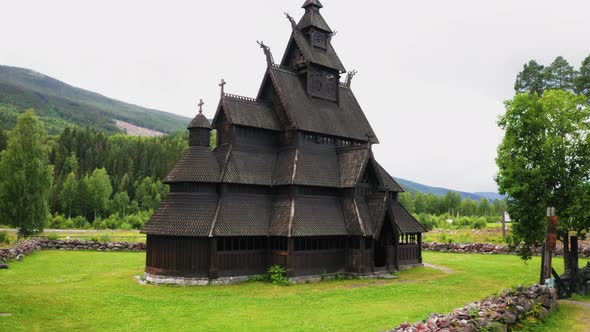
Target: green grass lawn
<point x="57" y="290"/>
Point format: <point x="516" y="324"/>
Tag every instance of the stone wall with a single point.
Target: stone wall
<point x="481" y="248"/>
<point x="499" y="313"/>
<point x="28" y="246"/>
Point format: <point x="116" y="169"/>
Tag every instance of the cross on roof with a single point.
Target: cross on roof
<point x="201" y="103"/>
<point x="222" y="85"/>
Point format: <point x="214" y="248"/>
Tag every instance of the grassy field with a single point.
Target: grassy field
<point x="105" y="235"/>
<point x="56" y="290"/>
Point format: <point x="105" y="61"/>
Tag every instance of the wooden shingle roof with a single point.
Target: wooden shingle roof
<point x="243" y="215"/>
<point x="183" y="214"/>
<point x="352" y="161"/>
<point x="249" y="112"/>
<point x="199" y="121"/>
<point x="345" y="119"/>
<point x="404" y="220"/>
<point x="327" y="58"/>
<point x="318" y="215"/>
<point x="388" y="181"/>
<point x="197" y="164"/>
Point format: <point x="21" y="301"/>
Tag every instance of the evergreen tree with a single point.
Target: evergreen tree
<point x="582" y="81"/>
<point x="25" y="177"/>
<point x="559" y="75"/>
<point x="531" y="79"/>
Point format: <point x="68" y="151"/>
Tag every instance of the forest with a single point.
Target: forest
<point x="106" y="181"/>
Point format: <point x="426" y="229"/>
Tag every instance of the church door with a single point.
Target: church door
<point x="383" y="244"/>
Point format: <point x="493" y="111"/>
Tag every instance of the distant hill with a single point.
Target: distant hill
<point x="418" y="187"/>
<point x="60" y="105"/>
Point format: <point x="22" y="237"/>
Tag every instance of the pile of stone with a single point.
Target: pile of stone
<point x="26" y="247"/>
<point x="90" y="245"/>
<point x="483" y="248"/>
<point x="22" y="248"/>
<point x="499" y="313"/>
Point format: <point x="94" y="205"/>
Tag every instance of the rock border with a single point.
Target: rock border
<point x="495" y="313"/>
<point x="492" y="249"/>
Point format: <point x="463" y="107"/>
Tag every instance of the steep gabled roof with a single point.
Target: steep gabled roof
<point x="183" y="214"/>
<point x="313" y="18"/>
<point x="327" y="58"/>
<point x="248" y="112"/>
<point x="352" y="161"/>
<point x="377" y="205"/>
<point x="344" y="119"/>
<point x="388" y="182"/>
<point x="404" y="220"/>
<point x="197" y="164"/>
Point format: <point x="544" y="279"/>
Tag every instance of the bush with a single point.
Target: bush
<point x="52" y="237"/>
<point x="125" y="226"/>
<point x="104" y="238"/>
<point x="4" y="237"/>
<point x="479" y="223"/>
<point x="81" y="223"/>
<point x="278" y="275"/>
<point x="60" y="222"/>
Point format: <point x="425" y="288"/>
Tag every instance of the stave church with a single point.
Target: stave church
<point x="291" y="180"/>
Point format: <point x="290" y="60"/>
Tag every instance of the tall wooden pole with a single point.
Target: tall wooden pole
<point x="550" y="242"/>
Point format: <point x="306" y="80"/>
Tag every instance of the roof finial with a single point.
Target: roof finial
<point x="349" y="77"/>
<point x="222" y="85"/>
<point x="269" y="59"/>
<point x="292" y="20"/>
<point x="312" y="3"/>
<point x="201" y="103"/>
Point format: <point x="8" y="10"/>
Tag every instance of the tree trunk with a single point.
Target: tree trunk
<point x="567" y="257"/>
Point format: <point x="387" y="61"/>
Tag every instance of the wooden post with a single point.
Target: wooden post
<point x="550" y="242"/>
<point x="420" y="248"/>
<point x="362" y="252"/>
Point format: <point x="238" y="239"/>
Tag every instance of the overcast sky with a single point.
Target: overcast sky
<point x="432" y="74"/>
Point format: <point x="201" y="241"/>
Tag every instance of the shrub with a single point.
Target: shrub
<point x="125" y="226"/>
<point x="104" y="238"/>
<point x="479" y="223"/>
<point x="278" y="275"/>
<point x="95" y="238"/>
<point x="4" y="237"/>
<point x="52" y="237"/>
<point x="81" y="223"/>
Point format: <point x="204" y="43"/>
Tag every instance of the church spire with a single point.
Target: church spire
<point x="312" y="17"/>
<point x="312" y="3"/>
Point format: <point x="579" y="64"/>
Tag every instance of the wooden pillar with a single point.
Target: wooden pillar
<point x="396" y="249"/>
<point x="420" y="248"/>
<point x="213" y="260"/>
<point x="290" y="258"/>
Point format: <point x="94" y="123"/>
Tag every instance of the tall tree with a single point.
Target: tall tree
<point x="69" y="193"/>
<point x="25" y="177"/>
<point x="544" y="160"/>
<point x="559" y="75"/>
<point x="98" y="190"/>
<point x="531" y="79"/>
<point x="3" y="140"/>
<point x="582" y="80"/>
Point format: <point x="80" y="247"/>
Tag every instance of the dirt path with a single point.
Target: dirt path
<point x="578" y="303"/>
<point x="440" y="268"/>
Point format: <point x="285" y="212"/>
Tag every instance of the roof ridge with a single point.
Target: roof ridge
<point x="244" y="98"/>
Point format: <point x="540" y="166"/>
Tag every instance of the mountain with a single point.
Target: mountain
<point x="60" y="105"/>
<point x="418" y="187"/>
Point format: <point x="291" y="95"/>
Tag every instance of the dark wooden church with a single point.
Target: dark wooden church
<point x="293" y="180"/>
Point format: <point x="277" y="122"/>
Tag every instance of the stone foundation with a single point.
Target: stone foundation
<point x="183" y="281"/>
